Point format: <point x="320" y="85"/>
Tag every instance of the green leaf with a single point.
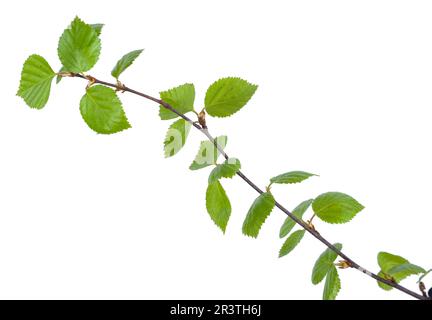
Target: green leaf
<point x="125" y="62"/>
<point x="180" y="98"/>
<point x="228" y="169"/>
<point x="218" y="205"/>
<point x="97" y="27"/>
<point x="35" y="84"/>
<point x="227" y="96"/>
<point x="332" y="285"/>
<point x="336" y="207"/>
<point x="387" y="261"/>
<point x="291" y="177"/>
<point x="395" y="268"/>
<point x="176" y="136"/>
<point x="208" y="154"/>
<point x="79" y="47"/>
<point x="291" y="242"/>
<point x="258" y="213"/>
<point x="298" y="212"/>
<point x="324" y="264"/>
<point x="102" y="110"/>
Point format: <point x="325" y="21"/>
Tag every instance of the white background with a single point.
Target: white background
<point x="344" y="91"/>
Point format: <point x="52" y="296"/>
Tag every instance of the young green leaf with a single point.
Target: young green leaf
<point x="258" y="213"/>
<point x="125" y="62"/>
<point x="291" y="242"/>
<point x="79" y="47"/>
<point x="102" y="110"/>
<point x="332" y="285"/>
<point x="35" y="83"/>
<point x="227" y="96"/>
<point x="387" y="261"/>
<point x="336" y="207"/>
<point x="208" y="154"/>
<point x="298" y="212"/>
<point x="225" y="170"/>
<point x="180" y="98"/>
<point x="291" y="177"/>
<point x="218" y="205"/>
<point x="395" y="268"/>
<point x="176" y="136"/>
<point x="324" y="264"/>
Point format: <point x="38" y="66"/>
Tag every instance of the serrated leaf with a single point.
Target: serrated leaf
<point x="396" y="268"/>
<point x="227" y="96"/>
<point x="176" y="136"/>
<point x="291" y="242"/>
<point x="257" y="214"/>
<point x="324" y="264"/>
<point x="102" y="110"/>
<point x="180" y="98"/>
<point x="208" y="154"/>
<point x="332" y="284"/>
<point x="290" y="223"/>
<point x="125" y="62"/>
<point x="292" y="177"/>
<point x="336" y="207"/>
<point x="228" y="169"/>
<point x="35" y="83"/>
<point x="218" y="205"/>
<point x="79" y="47"/>
<point x="96" y="27"/>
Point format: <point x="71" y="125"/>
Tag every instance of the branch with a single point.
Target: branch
<point x="202" y="128"/>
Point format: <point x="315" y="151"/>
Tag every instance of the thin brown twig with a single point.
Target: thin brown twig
<point x="300" y="222"/>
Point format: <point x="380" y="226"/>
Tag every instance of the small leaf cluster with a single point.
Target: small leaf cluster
<point x="78" y="50"/>
<point x="330" y="207"/>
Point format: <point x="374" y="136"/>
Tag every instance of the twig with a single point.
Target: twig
<point x="304" y="225"/>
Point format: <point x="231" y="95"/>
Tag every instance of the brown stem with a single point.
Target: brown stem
<point x="300" y="222"/>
